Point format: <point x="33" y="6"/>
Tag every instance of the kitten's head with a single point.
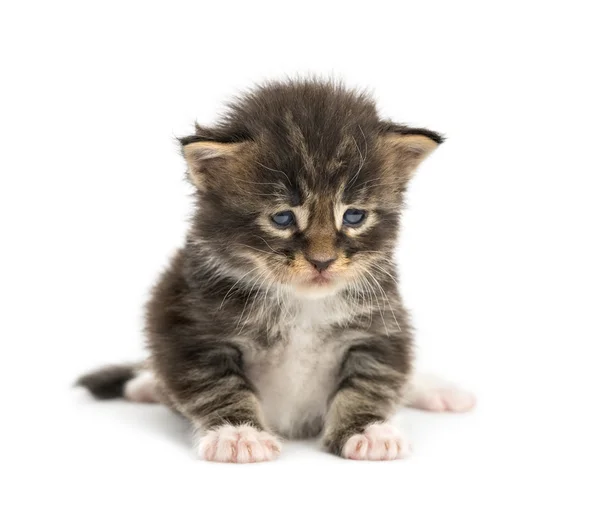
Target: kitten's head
<point x="301" y="185"/>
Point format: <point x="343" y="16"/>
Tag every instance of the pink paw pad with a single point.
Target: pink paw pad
<point x="380" y="441"/>
<point x="239" y="444"/>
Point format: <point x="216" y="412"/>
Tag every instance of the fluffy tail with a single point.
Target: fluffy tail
<point x="131" y="381"/>
<point x="109" y="381"/>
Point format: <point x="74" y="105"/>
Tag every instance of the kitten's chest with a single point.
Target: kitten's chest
<point x="296" y="374"/>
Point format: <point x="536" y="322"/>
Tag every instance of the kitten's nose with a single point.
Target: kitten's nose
<point x="321" y="264"/>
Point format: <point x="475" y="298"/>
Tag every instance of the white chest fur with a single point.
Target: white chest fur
<point x="296" y="375"/>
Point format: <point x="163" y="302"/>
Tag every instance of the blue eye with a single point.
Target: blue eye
<point x="283" y="219"/>
<point x="354" y="217"/>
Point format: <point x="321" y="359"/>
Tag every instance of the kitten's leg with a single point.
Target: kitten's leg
<point x="432" y="393"/>
<point x="142" y="388"/>
<point x="356" y="426"/>
<point x="210" y="388"/>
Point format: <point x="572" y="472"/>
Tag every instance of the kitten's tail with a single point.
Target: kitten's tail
<point x="130" y="381"/>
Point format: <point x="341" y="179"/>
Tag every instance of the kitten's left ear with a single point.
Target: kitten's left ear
<point x="405" y="148"/>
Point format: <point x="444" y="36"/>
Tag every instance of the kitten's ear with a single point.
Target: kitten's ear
<point x="205" y="156"/>
<point x="405" y="148"/>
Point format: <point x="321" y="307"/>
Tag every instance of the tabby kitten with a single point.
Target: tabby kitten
<point x="281" y="313"/>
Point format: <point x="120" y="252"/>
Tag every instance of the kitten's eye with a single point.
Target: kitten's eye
<point x="354" y="217"/>
<point x="283" y="219"/>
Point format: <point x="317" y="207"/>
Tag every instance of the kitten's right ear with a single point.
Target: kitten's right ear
<point x="204" y="156"/>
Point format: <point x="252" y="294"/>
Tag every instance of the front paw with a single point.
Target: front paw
<point x="239" y="444"/>
<point x="379" y="441"/>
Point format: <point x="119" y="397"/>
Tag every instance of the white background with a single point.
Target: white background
<point x="499" y="254"/>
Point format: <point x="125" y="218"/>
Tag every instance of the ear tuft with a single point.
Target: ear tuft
<point x="405" y="147"/>
<point x="401" y="129"/>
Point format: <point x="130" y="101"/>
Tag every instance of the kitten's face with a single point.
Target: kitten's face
<point x="315" y="230"/>
<point x="312" y="238"/>
<point x="325" y="242"/>
<point x="311" y="201"/>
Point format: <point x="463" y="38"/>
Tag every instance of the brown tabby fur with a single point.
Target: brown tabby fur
<point x="237" y="301"/>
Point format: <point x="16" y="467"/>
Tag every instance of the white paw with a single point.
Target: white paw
<point x="239" y="444"/>
<point x="142" y="388"/>
<point x="434" y="394"/>
<point x="380" y="441"/>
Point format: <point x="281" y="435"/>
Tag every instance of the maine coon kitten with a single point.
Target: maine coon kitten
<point x="281" y="313"/>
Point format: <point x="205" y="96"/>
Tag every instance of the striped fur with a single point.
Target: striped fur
<point x="242" y="330"/>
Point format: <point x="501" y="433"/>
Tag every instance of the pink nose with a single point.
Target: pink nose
<point x="321" y="264"/>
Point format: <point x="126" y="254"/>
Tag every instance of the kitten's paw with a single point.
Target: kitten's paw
<point x="142" y="388"/>
<point x="380" y="441"/>
<point x="434" y="394"/>
<point x="239" y="444"/>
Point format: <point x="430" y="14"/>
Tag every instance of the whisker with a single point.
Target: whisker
<point x="268" y="245"/>
<point x="262" y="276"/>
<point x="235" y="284"/>
<point x="260" y="250"/>
<point x="277" y="184"/>
<point x="370" y="303"/>
<point x="378" y="306"/>
<point x="263" y="304"/>
<point x="386" y="298"/>
<point x="276" y="171"/>
<point x="363" y="159"/>
<point x="383" y="271"/>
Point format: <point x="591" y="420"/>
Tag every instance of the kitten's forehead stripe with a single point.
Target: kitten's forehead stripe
<point x="318" y="132"/>
<point x="298" y="142"/>
<point x="296" y="197"/>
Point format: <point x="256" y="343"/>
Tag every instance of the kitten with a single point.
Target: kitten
<point x="281" y="314"/>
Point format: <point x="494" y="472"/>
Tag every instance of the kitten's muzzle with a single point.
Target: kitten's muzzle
<point x="321" y="263"/>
